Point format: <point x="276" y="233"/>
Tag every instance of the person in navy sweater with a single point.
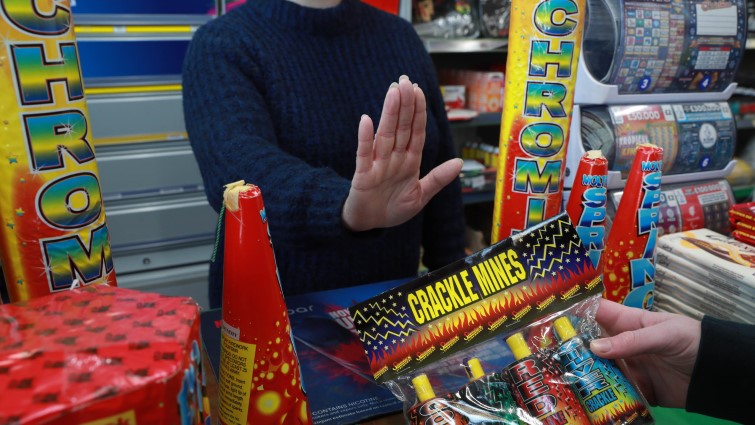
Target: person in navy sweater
<point x="283" y="94"/>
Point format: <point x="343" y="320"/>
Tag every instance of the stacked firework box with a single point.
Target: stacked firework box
<point x="742" y="219"/>
<point x="701" y="272"/>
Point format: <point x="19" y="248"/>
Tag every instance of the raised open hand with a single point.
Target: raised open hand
<point x="386" y="189"/>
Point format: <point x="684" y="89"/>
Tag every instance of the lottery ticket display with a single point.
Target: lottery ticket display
<point x="695" y="137"/>
<point x="692" y="206"/>
<point x="666" y="46"/>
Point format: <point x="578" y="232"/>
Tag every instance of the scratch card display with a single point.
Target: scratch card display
<point x="694" y="136"/>
<point x="666" y="46"/>
<point x="466" y="344"/>
<point x="692" y="206"/>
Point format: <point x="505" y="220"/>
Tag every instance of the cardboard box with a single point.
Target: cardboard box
<point x="101" y="355"/>
<point x="484" y="89"/>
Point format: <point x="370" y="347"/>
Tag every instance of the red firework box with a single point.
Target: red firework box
<point x="742" y="217"/>
<point x="443" y="342"/>
<point x="101" y="355"/>
<point x="629" y="259"/>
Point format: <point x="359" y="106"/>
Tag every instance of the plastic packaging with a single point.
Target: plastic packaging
<point x="494" y="17"/>
<point x="52" y="218"/>
<point x="629" y="263"/>
<point x="446" y="18"/>
<point x="260" y="381"/>
<point x="474" y="342"/>
<point x="544" y="45"/>
<point x="102" y="355"/>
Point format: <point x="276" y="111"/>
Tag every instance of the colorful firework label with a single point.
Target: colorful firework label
<point x="587" y="203"/>
<point x="540" y="386"/>
<point x="492" y="292"/>
<point x="606" y="394"/>
<point x="629" y="259"/>
<point x="52" y="218"/>
<point x="259" y="380"/>
<point x="544" y="45"/>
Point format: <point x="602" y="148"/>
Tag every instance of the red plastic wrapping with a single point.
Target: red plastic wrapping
<point x="629" y="263"/>
<point x="260" y="382"/>
<point x="587" y="203"/>
<point x="101" y="355"/>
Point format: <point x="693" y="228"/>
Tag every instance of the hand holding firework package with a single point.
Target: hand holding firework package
<point x="501" y="337"/>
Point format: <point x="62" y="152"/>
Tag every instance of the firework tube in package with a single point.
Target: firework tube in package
<point x="629" y="262"/>
<point x="540" y="75"/>
<point x="466" y="344"/>
<point x="52" y="219"/>
<point x="260" y="381"/>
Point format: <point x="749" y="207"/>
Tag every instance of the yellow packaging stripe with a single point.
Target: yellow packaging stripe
<point x="135" y="29"/>
<point x="94" y="91"/>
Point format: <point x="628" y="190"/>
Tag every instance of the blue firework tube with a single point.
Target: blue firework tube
<point x="606" y="394"/>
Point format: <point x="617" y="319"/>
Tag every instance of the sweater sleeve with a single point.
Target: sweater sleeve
<point x="233" y="138"/>
<point x="724" y="371"/>
<point x="443" y="226"/>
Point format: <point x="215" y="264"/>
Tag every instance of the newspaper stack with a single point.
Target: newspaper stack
<point x="701" y="272"/>
<point x="742" y="218"/>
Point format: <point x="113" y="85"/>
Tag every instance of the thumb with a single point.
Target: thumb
<point x="439" y="178"/>
<point x="632" y="343"/>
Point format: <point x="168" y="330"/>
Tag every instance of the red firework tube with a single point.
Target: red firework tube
<point x="587" y="203"/>
<point x="540" y="388"/>
<point x="629" y="261"/>
<point x="260" y="382"/>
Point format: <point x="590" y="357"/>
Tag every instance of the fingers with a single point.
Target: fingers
<point x="364" y="147"/>
<point x="406" y="114"/>
<point x="386" y="132"/>
<point x="439" y="178"/>
<point x="419" y="123"/>
<point x="649" y="340"/>
<point x="616" y="318"/>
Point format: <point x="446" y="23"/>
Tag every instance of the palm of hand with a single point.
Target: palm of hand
<point x="386" y="190"/>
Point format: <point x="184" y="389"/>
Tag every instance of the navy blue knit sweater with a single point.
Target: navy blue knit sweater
<point x="273" y="94"/>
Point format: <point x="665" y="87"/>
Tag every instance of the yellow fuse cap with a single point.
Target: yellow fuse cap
<point x="564" y="329"/>
<point x="518" y="346"/>
<point x="475" y="368"/>
<point x="423" y="388"/>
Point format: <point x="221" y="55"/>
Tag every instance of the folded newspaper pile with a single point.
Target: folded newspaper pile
<point x="701" y="272"/>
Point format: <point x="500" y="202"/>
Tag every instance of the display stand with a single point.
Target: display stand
<point x="589" y="91"/>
